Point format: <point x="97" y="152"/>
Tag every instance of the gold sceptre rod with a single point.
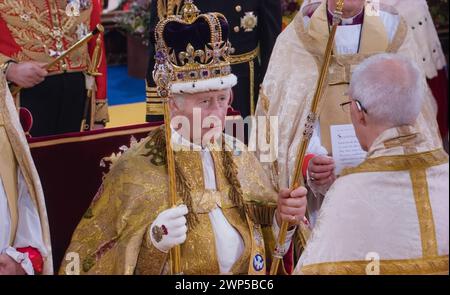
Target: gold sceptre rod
<point x="163" y="75"/>
<point x="175" y="252"/>
<point x="309" y="129"/>
<point x="91" y="93"/>
<point x="99" y="29"/>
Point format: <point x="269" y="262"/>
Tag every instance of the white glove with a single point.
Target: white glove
<point x="169" y="228"/>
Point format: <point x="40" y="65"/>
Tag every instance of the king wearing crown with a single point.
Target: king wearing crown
<point x="226" y="212"/>
<point x="253" y="29"/>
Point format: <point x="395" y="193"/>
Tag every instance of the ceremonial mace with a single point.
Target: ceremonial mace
<point x="98" y="29"/>
<point x="307" y="133"/>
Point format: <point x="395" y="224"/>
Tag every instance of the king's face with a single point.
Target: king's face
<point x="205" y="112"/>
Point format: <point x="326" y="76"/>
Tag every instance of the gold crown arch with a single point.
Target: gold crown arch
<point x="193" y="64"/>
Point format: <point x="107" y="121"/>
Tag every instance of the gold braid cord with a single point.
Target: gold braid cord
<point x="158" y="145"/>
<point x="235" y="194"/>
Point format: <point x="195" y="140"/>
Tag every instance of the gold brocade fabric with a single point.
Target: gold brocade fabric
<point x="112" y="238"/>
<point x="44" y="29"/>
<point x="8" y="177"/>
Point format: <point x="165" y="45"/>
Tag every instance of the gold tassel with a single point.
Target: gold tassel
<point x="158" y="156"/>
<point x="157" y="145"/>
<point x="235" y="194"/>
<point x="184" y="188"/>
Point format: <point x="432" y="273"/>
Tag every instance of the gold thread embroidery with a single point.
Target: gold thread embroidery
<point x="400" y="163"/>
<point x="155" y="108"/>
<point x="424" y="213"/>
<point x="251" y="65"/>
<point x="431" y="265"/>
<point x="43" y="31"/>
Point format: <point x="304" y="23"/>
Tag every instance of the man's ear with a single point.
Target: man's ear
<point x="362" y="119"/>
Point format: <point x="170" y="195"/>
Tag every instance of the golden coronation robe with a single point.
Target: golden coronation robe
<point x="112" y="237"/>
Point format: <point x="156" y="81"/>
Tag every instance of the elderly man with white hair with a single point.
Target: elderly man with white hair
<point x="390" y="214"/>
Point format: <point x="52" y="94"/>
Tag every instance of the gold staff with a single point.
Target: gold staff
<point x="163" y="75"/>
<point x="162" y="79"/>
<point x="175" y="252"/>
<point x="309" y="129"/>
<point x="91" y="93"/>
<point x="99" y="29"/>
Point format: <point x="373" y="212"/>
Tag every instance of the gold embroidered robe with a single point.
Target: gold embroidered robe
<point x="112" y="237"/>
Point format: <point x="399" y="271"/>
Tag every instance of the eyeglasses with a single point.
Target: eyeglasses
<point x="346" y="106"/>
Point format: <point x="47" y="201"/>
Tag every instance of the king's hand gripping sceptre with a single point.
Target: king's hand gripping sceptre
<point x="297" y="179"/>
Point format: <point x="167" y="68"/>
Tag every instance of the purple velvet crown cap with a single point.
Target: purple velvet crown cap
<point x="178" y="35"/>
